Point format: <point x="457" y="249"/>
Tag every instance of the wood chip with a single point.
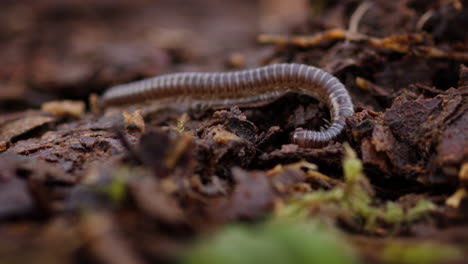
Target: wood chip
<point x="20" y="126"/>
<point x="66" y="108"/>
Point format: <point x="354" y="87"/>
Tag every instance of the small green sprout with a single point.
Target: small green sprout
<point x="354" y="198"/>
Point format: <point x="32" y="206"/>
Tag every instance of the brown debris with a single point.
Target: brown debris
<point x="236" y="122"/>
<point x="67" y="108"/>
<point x="456" y="199"/>
<point x="236" y="61"/>
<point x="303" y="42"/>
<point x="410" y="70"/>
<point x="255" y="193"/>
<point x="226" y="141"/>
<point x="369" y="86"/>
<point x="11" y="91"/>
<point x="31" y="184"/>
<point x="463" y="176"/>
<point x="278" y="15"/>
<point x="73" y="150"/>
<point x="409" y="44"/>
<point x="3" y="146"/>
<point x="461" y="194"/>
<point x="166" y="152"/>
<point x="21" y="125"/>
<point x="103" y="241"/>
<point x="251" y="199"/>
<point x="463" y="80"/>
<point x="316" y="179"/>
<point x="404" y="137"/>
<point x="329" y="156"/>
<point x="452" y="149"/>
<point x="55" y="242"/>
<point x="15" y="199"/>
<point x="134" y="120"/>
<point x="153" y="200"/>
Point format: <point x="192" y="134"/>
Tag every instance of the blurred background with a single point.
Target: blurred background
<point x="53" y="49"/>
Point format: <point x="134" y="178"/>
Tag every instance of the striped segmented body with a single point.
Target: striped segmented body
<point x="244" y="87"/>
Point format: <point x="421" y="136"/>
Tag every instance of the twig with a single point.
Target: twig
<point x="303" y="41"/>
<point x="401" y="44"/>
<point x="357" y="16"/>
<point x="423" y="19"/>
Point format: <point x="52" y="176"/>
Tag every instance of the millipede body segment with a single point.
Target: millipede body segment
<point x="245" y="87"/>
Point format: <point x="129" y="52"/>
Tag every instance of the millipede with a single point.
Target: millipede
<point x="245" y="87"/>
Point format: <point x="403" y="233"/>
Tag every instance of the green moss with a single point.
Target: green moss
<point x="117" y="190"/>
<point x="420" y="210"/>
<point x="354" y="198"/>
<point x="273" y="242"/>
<point x="426" y="253"/>
<point x="290" y="237"/>
<point x="114" y="187"/>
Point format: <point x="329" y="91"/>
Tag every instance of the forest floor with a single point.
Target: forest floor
<point x="145" y="184"/>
